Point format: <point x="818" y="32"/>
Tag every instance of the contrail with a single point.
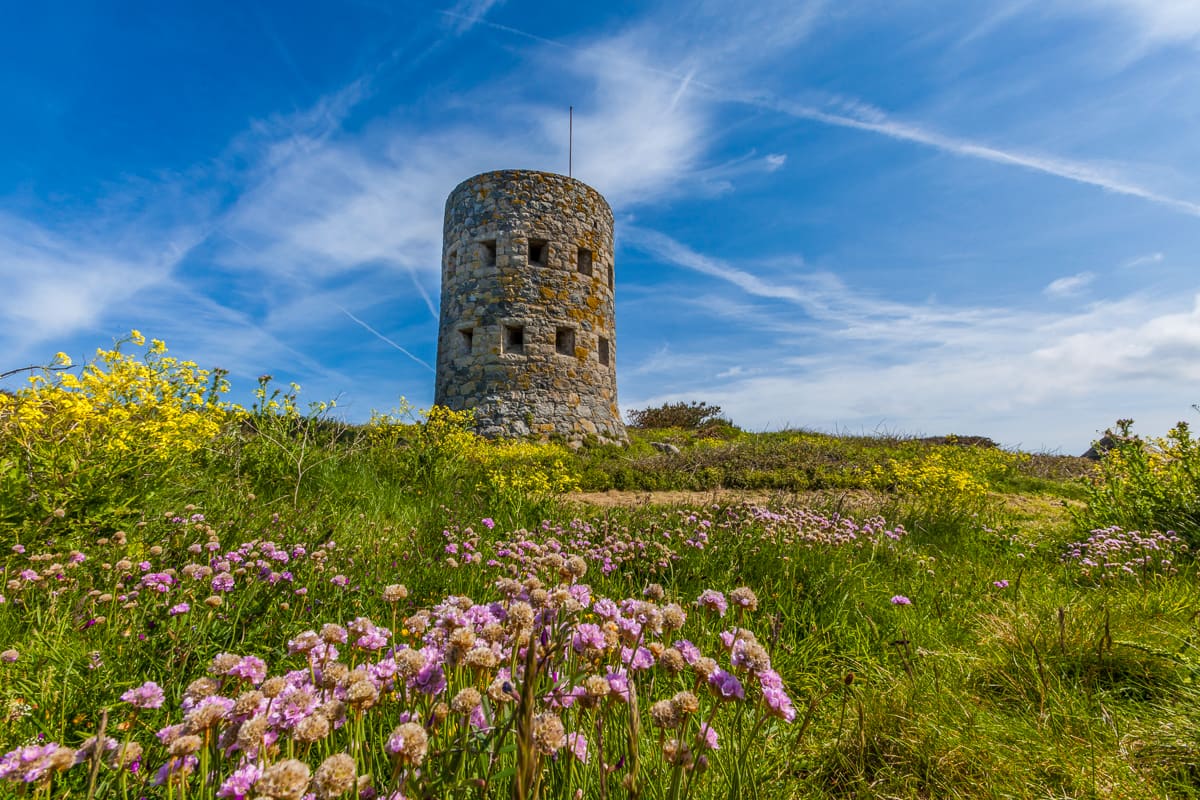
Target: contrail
<point x="883" y="125"/>
<point x="386" y="339"/>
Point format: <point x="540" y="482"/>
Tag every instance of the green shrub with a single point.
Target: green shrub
<point x="688" y="416"/>
<point x="1147" y="484"/>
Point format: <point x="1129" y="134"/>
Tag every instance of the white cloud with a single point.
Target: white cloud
<point x="1141" y="261"/>
<point x="1156" y="21"/>
<point x="1069" y="285"/>
<point x="56" y="284"/>
<point x="1034" y="378"/>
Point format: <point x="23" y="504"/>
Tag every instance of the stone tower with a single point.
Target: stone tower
<point x="527" y="335"/>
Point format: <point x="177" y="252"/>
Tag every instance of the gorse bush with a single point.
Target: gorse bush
<point x="1148" y="484"/>
<point x="81" y="446"/>
<point x="688" y="416"/>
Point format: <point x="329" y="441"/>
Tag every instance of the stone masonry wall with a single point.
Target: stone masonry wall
<point x="527" y="335"/>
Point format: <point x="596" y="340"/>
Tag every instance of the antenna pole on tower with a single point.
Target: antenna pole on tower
<point x="570" y="139"/>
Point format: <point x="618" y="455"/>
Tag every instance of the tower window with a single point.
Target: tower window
<point x="537" y="251"/>
<point x="467" y="339"/>
<point x="489" y="253"/>
<point x="451" y="263"/>
<point x="612" y="272"/>
<point x="514" y="339"/>
<point x="564" y="341"/>
<point x="584" y="261"/>
<point x="604" y="355"/>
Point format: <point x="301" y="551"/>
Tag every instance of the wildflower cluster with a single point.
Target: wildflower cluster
<point x="612" y="546"/>
<point x="77" y="439"/>
<point x="547" y="677"/>
<point x="1113" y="552"/>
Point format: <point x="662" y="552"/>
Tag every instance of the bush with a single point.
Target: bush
<point x="91" y="446"/>
<point x="1148" y="484"/>
<point x="688" y="416"/>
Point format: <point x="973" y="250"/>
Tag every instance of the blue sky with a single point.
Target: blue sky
<point x="912" y="216"/>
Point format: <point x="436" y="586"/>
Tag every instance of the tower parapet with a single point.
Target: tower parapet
<point x="527" y="334"/>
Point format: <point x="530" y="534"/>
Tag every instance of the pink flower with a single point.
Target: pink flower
<point x="148" y="695"/>
<point x="727" y="684"/>
<point x="181" y="608"/>
<point x="713" y="601"/>
<point x="1001" y="584"/>
<point x="901" y="600"/>
<point x="489" y="523"/>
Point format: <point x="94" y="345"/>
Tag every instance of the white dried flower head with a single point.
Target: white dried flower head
<point x="481" y="659"/>
<point x="185" y="745"/>
<point x="333" y="634"/>
<point x="334" y="777"/>
<point x="222" y="663"/>
<point x="312" y="728"/>
<point x="286" y="780"/>
<point x="500" y="691"/>
<point x="520" y="615"/>
<point x="673" y="617"/>
<point x="200" y="689"/>
<point x="409" y="662"/>
<point x="418" y="623"/>
<point x="204" y="716"/>
<point x="577" y="566"/>
<point x="361" y="695"/>
<point x="462" y="639"/>
<point x="745" y="598"/>
<point x="466" y="701"/>
<point x="549" y="735"/>
<point x="493" y="632"/>
<point x="273" y="687"/>
<point x="664" y="714"/>
<point x="705" y="667"/>
<point x="247" y="703"/>
<point x="409" y="743"/>
<point x="250" y="734"/>
<point x="395" y="593"/>
<point x="654" y="591"/>
<point x="686" y="702"/>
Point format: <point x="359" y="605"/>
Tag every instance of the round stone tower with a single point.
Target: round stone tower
<point x="527" y="334"/>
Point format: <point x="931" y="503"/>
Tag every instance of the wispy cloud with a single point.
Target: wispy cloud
<point x="1027" y="377"/>
<point x="1144" y="260"/>
<point x="874" y="120"/>
<point x="1069" y="285"/>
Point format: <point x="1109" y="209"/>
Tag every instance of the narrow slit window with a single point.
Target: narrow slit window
<point x="489" y="253"/>
<point x="564" y="341"/>
<point x="451" y="263"/>
<point x="584" y="261"/>
<point x="612" y="270"/>
<point x="604" y="355"/>
<point x="538" y="249"/>
<point x="514" y="339"/>
<point x="467" y="339"/>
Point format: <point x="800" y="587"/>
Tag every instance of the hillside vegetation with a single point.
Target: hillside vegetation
<point x="202" y="600"/>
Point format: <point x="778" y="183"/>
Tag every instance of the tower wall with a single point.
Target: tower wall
<point x="527" y="335"/>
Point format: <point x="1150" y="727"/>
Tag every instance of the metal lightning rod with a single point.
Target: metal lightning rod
<point x="570" y="139"/>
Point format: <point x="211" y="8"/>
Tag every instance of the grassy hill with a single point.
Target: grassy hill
<point x="268" y="603"/>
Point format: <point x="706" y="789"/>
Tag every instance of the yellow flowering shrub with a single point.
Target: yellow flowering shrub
<point x="947" y="482"/>
<point x="80" y="443"/>
<point x="439" y="441"/>
<point x="1151" y="483"/>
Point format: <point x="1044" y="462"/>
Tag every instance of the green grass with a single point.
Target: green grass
<point x="1053" y="686"/>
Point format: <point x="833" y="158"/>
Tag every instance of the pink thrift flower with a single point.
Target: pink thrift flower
<point x="148" y="695"/>
<point x="901" y="600"/>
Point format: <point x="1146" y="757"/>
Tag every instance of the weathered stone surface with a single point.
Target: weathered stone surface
<point x="527" y="335"/>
